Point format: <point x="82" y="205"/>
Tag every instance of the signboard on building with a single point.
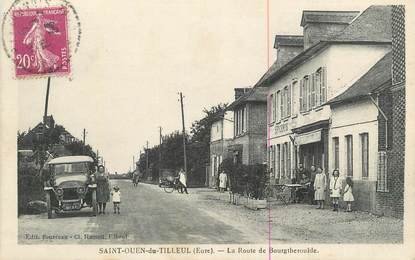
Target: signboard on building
<point x="307" y="138"/>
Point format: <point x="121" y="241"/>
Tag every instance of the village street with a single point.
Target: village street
<point x="151" y="216"/>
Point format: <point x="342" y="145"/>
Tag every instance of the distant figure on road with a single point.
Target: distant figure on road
<point x="135" y="178"/>
<point x="103" y="189"/>
<point x="183" y="181"/>
<point x="223" y="179"/>
<point x="116" y="198"/>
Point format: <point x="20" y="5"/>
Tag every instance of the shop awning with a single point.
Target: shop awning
<point x="308" y="138"/>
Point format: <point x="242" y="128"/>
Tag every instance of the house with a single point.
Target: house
<point x="390" y="198"/>
<point x="339" y="48"/>
<point x="221" y="134"/>
<point x="360" y="134"/>
<point x="248" y="144"/>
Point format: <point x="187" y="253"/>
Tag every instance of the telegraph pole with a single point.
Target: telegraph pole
<point x="184" y="134"/>
<point x="84" y="136"/>
<point x="46" y="102"/>
<point x="161" y="140"/>
<point x="146" y="157"/>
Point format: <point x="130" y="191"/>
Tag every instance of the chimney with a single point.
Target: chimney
<point x="49" y="121"/>
<point x="287" y="46"/>
<point x="321" y="25"/>
<point x="239" y="92"/>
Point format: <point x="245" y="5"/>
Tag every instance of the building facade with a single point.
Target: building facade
<point x="390" y="199"/>
<point x="248" y="144"/>
<point x="221" y="134"/>
<point x="299" y="119"/>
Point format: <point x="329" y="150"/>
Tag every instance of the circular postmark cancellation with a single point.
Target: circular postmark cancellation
<point x="41" y="37"/>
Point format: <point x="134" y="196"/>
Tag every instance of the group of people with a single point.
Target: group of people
<point x="314" y="186"/>
<point x="104" y="193"/>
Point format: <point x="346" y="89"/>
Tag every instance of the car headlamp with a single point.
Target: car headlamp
<point x="59" y="192"/>
<point x="81" y="190"/>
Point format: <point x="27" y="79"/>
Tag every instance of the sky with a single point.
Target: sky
<point x="135" y="57"/>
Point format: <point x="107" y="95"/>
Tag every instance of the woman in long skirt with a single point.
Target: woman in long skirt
<point x="320" y="188"/>
<point x="103" y="189"/>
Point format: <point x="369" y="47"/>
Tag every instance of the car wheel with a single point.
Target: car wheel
<point x="49" y="205"/>
<point x="94" y="203"/>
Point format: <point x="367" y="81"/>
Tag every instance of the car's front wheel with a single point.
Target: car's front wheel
<point x="94" y="203"/>
<point x="49" y="204"/>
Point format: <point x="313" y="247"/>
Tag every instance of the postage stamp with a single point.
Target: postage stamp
<point x="41" y="41"/>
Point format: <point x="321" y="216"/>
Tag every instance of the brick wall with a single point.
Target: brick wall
<point x="314" y="32"/>
<point x="385" y="103"/>
<point x="391" y="203"/>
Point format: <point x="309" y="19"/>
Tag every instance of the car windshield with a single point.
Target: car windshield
<point x="70" y="168"/>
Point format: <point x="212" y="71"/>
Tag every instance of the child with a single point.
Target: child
<point x="320" y="188"/>
<point x="116" y="199"/>
<point x="335" y="189"/>
<point x="348" y="194"/>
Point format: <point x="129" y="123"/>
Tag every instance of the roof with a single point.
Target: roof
<point x="366" y="28"/>
<point x="374" y="24"/>
<point x="258" y="94"/>
<point x="377" y="76"/>
<point x="344" y="17"/>
<point x="71" y="159"/>
<point x="288" y="40"/>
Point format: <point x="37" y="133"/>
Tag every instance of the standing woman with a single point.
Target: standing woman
<point x="320" y="187"/>
<point x="335" y="189"/>
<point x="103" y="189"/>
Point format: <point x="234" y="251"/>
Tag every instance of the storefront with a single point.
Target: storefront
<point x="312" y="144"/>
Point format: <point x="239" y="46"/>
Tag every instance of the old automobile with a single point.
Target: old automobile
<point x="71" y="185"/>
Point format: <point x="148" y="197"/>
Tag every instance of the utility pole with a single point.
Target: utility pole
<point x="46" y="102"/>
<point x="146" y="157"/>
<point x="161" y="141"/>
<point x="84" y="136"/>
<point x="184" y="134"/>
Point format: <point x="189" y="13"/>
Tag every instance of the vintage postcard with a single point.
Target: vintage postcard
<point x="206" y="129"/>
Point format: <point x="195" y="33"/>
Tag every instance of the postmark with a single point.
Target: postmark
<point x="41" y="37"/>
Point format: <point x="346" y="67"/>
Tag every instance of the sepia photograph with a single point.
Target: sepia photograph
<point x="205" y="128"/>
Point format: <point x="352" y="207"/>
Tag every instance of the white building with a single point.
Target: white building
<point x="339" y="49"/>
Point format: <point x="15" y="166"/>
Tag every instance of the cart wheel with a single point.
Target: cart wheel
<point x="49" y="205"/>
<point x="168" y="189"/>
<point x="94" y="203"/>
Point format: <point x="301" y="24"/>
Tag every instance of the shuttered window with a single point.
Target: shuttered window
<point x="312" y="91"/>
<point x="289" y="173"/>
<point x="278" y="164"/>
<point x="349" y="155"/>
<point x="323" y="85"/>
<point x="336" y="152"/>
<point x="364" y="138"/>
<point x="294" y="96"/>
<point x="278" y="106"/>
<point x="301" y="97"/>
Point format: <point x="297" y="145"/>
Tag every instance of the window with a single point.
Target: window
<point x="294" y="93"/>
<point x="282" y="97"/>
<point x="271" y="108"/>
<point x="240" y="122"/>
<point x="278" y="106"/>
<point x="312" y="92"/>
<point x="349" y="155"/>
<point x="278" y="163"/>
<point x="364" y="140"/>
<point x="323" y="85"/>
<point x="288" y="160"/>
<point x="382" y="180"/>
<point x="336" y="152"/>
<point x="308" y="87"/>
<point x="288" y="109"/>
<point x="283" y="151"/>
<point x="305" y="94"/>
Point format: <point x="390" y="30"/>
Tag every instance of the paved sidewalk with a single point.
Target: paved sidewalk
<point x="301" y="223"/>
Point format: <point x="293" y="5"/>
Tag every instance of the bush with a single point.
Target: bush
<point x="248" y="180"/>
<point x="29" y="188"/>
